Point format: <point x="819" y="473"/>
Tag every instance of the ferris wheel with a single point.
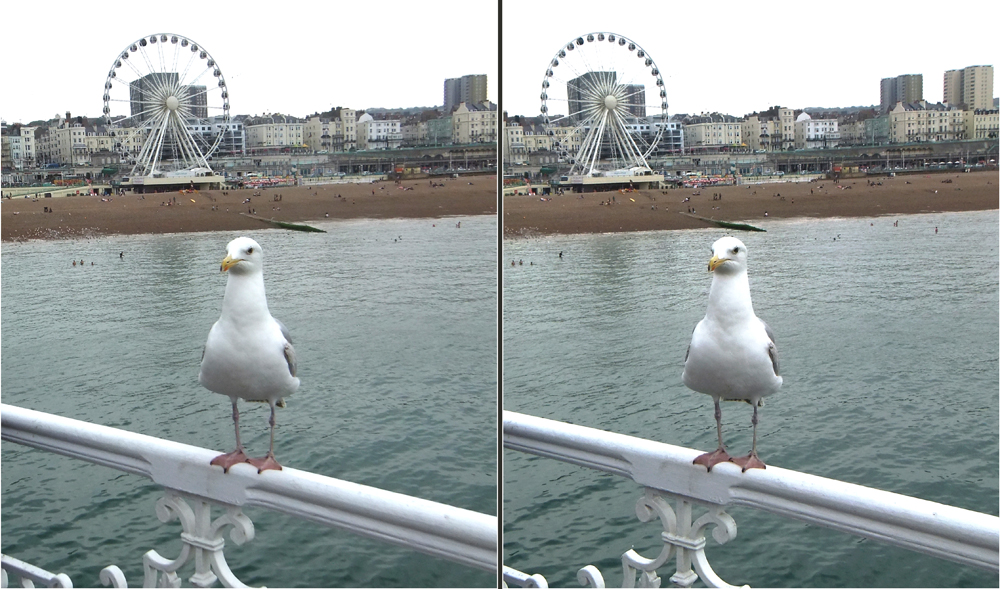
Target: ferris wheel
<point x="604" y="104"/>
<point x="167" y="105"/>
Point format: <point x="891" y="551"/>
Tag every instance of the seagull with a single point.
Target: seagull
<point x="249" y="353"/>
<point x="732" y="355"/>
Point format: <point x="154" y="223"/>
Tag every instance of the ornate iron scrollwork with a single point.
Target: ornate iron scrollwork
<point x="202" y="538"/>
<point x="682" y="538"/>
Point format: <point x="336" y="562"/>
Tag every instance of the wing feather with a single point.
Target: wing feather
<point x="772" y="348"/>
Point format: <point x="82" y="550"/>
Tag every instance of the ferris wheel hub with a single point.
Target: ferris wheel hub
<point x="172" y="102"/>
<point x="610" y="102"/>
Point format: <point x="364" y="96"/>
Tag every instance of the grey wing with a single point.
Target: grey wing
<point x="290" y="358"/>
<point x="772" y="348"/>
<point x="284" y="331"/>
<point x="289" y="350"/>
<point x="688" y="352"/>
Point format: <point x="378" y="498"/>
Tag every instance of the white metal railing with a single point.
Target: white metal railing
<point x="456" y="534"/>
<point x="667" y="473"/>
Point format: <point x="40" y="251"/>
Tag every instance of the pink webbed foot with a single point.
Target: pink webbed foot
<point x="712" y="458"/>
<point x="749" y="461"/>
<point x="266" y="463"/>
<point x="226" y="461"/>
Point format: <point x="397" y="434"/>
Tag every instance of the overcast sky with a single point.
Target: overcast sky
<point x="293" y="57"/>
<point x="740" y="57"/>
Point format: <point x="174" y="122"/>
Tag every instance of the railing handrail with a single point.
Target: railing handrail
<point x="943" y="531"/>
<point x="453" y="533"/>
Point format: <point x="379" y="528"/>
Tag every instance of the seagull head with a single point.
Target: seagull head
<point x="729" y="256"/>
<point x="243" y="256"/>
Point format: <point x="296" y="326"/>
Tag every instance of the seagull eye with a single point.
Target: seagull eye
<point x="736" y="250"/>
<point x="249" y="250"/>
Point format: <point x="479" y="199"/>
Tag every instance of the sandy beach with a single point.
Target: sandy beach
<point x="218" y="210"/>
<point x="654" y="209"/>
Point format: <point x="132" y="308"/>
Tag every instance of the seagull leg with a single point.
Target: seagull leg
<point x="751" y="460"/>
<point x="268" y="462"/>
<point x="226" y="461"/>
<point x="719" y="455"/>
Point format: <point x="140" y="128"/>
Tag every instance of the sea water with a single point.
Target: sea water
<point x="888" y="341"/>
<point x="395" y="328"/>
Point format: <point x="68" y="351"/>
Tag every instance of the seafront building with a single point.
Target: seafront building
<point x="414" y="133"/>
<point x="274" y="130"/>
<point x="474" y="123"/>
<point x="470" y="89"/>
<point x="984" y="124"/>
<point x="771" y="130"/>
<point x="970" y="87"/>
<point x="439" y="131"/>
<point x="911" y="122"/>
<point x="711" y="130"/>
<point x="906" y="88"/>
<point x="18" y="146"/>
<point x="515" y="152"/>
<point x="332" y="132"/>
<point x="813" y="133"/>
<point x="378" y="133"/>
<point x="536" y="138"/>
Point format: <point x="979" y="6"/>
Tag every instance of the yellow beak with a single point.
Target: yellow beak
<point x="228" y="263"/>
<point x="715" y="262"/>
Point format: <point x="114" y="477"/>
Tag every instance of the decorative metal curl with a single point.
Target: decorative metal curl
<point x="202" y="538"/>
<point x="113" y="576"/>
<point x="682" y="539"/>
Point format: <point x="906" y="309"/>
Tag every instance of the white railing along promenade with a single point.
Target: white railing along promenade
<point x="192" y="487"/>
<point x="667" y="474"/>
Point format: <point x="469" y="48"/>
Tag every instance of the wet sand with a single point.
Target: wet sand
<point x="526" y="216"/>
<point x="77" y="216"/>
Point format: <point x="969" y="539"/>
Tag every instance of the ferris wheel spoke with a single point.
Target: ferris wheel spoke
<point x="155" y="147"/>
<point x="187" y="66"/>
<point x="585" y="84"/>
<point x="592" y="130"/>
<point x="596" y="155"/>
<point x="138" y="117"/>
<point x="159" y="55"/>
<point x="204" y="92"/>
<point x="640" y="90"/>
<point x="181" y="139"/>
<point x="623" y="140"/>
<point x="630" y="139"/>
<point x="146" y="153"/>
<point x="145" y="58"/>
<point x="130" y="62"/>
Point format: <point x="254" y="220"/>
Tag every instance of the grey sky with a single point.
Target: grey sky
<point x="739" y="57"/>
<point x="294" y="57"/>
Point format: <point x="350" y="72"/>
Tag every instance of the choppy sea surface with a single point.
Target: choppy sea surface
<point x="395" y="328"/>
<point x="888" y="338"/>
